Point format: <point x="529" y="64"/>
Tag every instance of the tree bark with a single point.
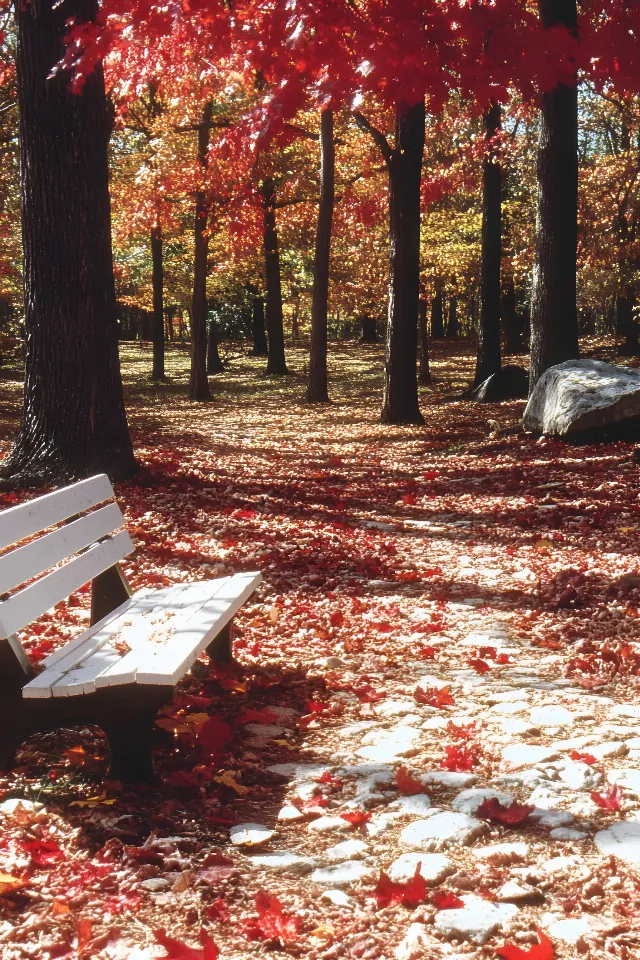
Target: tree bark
<point x="73" y="421"/>
<point x="400" y="389"/>
<point x="424" y="375"/>
<point x="369" y="329"/>
<point x="214" y="361"/>
<point x="489" y="359"/>
<point x="554" y="320"/>
<point x="627" y="325"/>
<point x="452" y="321"/>
<point x="260" y="348"/>
<point x="198" y="382"/>
<point x="317" y="389"/>
<point x="437" y="316"/>
<point x="276" y="362"/>
<point x="512" y="323"/>
<point x="157" y="372"/>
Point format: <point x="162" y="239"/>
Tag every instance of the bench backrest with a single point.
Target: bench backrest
<point x="82" y="545"/>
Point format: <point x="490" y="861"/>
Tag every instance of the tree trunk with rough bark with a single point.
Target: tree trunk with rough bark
<point x="437" y="316"/>
<point x="489" y="358"/>
<point x="317" y="389"/>
<point x="276" y="362"/>
<point x="198" y="382"/>
<point x="260" y="348"/>
<point x="400" y="388"/>
<point x="554" y="319"/>
<point x="452" y="320"/>
<point x="157" y="372"/>
<point x="424" y="375"/>
<point x="73" y="422"/>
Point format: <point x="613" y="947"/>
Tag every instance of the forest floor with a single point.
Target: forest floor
<point x="440" y="673"/>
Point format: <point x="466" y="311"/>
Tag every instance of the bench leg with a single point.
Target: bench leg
<point x="220" y="650"/>
<point x="130" y="741"/>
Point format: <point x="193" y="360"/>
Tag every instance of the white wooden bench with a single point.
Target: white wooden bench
<point x="120" y="671"/>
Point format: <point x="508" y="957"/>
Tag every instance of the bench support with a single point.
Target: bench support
<point x="220" y="650"/>
<point x="108" y="591"/>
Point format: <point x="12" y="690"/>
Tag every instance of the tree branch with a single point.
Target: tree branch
<point x="377" y="135"/>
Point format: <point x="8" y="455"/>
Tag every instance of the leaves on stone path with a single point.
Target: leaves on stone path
<point x="176" y="950"/>
<point x="543" y="950"/>
<point x="434" y="696"/>
<point x="409" y="894"/>
<point x="611" y="800"/>
<point x="407" y="784"/>
<point x="512" y="815"/>
<point x="460" y="758"/>
<point x="272" y="923"/>
<point x="446" y="900"/>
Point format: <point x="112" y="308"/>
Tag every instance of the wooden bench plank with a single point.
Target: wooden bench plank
<point x="23" y="521"/>
<point x="39" y="555"/>
<point x="31" y="602"/>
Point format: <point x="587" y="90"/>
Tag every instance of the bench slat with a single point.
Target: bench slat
<point x="31" y="602"/>
<point x="39" y="555"/>
<point x="22" y="521"/>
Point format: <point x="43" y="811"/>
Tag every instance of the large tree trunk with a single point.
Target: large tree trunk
<point x="424" y="375"/>
<point x="437" y="316"/>
<point x="73" y="422"/>
<point x="276" y="362"/>
<point x="317" y="391"/>
<point x="554" y="320"/>
<point x="157" y="372"/>
<point x="260" y="348"/>
<point x="489" y="359"/>
<point x="198" y="382"/>
<point x="214" y="361"/>
<point x="400" y="390"/>
<point x="512" y="324"/>
<point x="369" y="329"/>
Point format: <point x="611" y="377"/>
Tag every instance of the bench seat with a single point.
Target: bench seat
<point x="152" y="638"/>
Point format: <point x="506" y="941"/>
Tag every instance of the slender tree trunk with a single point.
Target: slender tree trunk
<point x="554" y="319"/>
<point x="214" y="361"/>
<point x="512" y="325"/>
<point x="198" y="382"/>
<point x="73" y="422"/>
<point x="452" y="322"/>
<point x="317" y="391"/>
<point x="424" y="375"/>
<point x="437" y="316"/>
<point x="260" y="348"/>
<point x="627" y="325"/>
<point x="400" y="390"/>
<point x="276" y="362"/>
<point x="369" y="329"/>
<point x="157" y="372"/>
<point x="489" y="358"/>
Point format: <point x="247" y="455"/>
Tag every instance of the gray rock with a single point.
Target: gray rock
<point x="627" y="778"/>
<point x="552" y="716"/>
<point x="418" y="944"/>
<point x="514" y="892"/>
<point x="621" y="840"/>
<point x="341" y="874"/>
<point x="339" y="898"/>
<point x="502" y="851"/>
<point x="284" y="862"/>
<point x="523" y="755"/>
<point x="583" y="397"/>
<point x="566" y="833"/>
<point x="440" y="830"/>
<point x="434" y="867"/>
<point x="478" y="920"/>
<point x="155" y="884"/>
<point x="510" y="383"/>
<point x="448" y="778"/>
<point x="250" y="834"/>
<point x="417" y="806"/>
<point x="347" y="850"/>
<point x="570" y="931"/>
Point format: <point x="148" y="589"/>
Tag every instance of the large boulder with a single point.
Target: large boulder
<point x="509" y="383"/>
<point x="585" y="399"/>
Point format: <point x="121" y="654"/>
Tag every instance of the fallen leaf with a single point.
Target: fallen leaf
<point x="480" y="666"/>
<point x="272" y="923"/>
<point x="446" y="900"/>
<point x="539" y="951"/>
<point x="9" y="883"/>
<point x="460" y="758"/>
<point x="513" y="815"/>
<point x="410" y="894"/>
<point x="583" y="757"/>
<point x="434" y="696"/>
<point x="214" y="735"/>
<point x="357" y="818"/>
<point x="228" y="779"/>
<point x="611" y="800"/>
<point x="176" y="950"/>
<point x="407" y="784"/>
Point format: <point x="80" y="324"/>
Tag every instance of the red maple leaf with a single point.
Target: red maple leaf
<point x="426" y="653"/>
<point x="539" y="951"/>
<point x="176" y="950"/>
<point x="410" y="894"/>
<point x="336" y="619"/>
<point x="263" y="716"/>
<point x="214" y="735"/>
<point x="310" y="806"/>
<point x="480" y="666"/>
<point x="583" y="757"/>
<point x="503" y="658"/>
<point x="446" y="900"/>
<point x="331" y="781"/>
<point x="367" y="694"/>
<point x="611" y="800"/>
<point x="407" y="784"/>
<point x="513" y="815"/>
<point x="464" y="732"/>
<point x="489" y="652"/>
<point x="272" y="923"/>
<point x="43" y="853"/>
<point x="460" y="758"/>
<point x="357" y="818"/>
<point x="434" y="696"/>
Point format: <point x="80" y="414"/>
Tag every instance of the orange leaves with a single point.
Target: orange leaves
<point x="434" y="696"/>
<point x="272" y="923"/>
<point x="583" y="757"/>
<point x="409" y="894"/>
<point x="543" y="950"/>
<point x="176" y="950"/>
<point x="407" y="784"/>
<point x="480" y="666"/>
<point x="611" y="800"/>
<point x="512" y="815"/>
<point x="357" y="818"/>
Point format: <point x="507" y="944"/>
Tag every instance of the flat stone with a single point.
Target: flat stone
<point x="523" y="755"/>
<point x="506" y="709"/>
<point x="570" y="931"/>
<point x="289" y="812"/>
<point x="469" y="800"/>
<point x="552" y="818"/>
<point x="621" y="840"/>
<point x="419" y="805"/>
<point x="517" y="726"/>
<point x="347" y="850"/>
<point x="9" y="807"/>
<point x="448" y="778"/>
<point x="418" y="943"/>
<point x="515" y="892"/>
<point x="559" y="865"/>
<point x="435" y="723"/>
<point x="342" y="874"/>
<point x="434" y="867"/>
<point x="327" y="824"/>
<point x="394" y="708"/>
<point x="283" y="862"/>
<point x="614" y="748"/>
<point x="625" y="710"/>
<point x="566" y="833"/>
<point x="427" y="680"/>
<point x="501" y="851"/>
<point x="552" y="717"/>
<point x="386" y="746"/>
<point x="629" y="779"/>
<point x="338" y="898"/>
<point x="574" y="774"/>
<point x="477" y="921"/>
<point x="155" y="884"/>
<point x="294" y="771"/>
<point x="264" y="731"/>
<point x="441" y="829"/>
<point x="250" y="835"/>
